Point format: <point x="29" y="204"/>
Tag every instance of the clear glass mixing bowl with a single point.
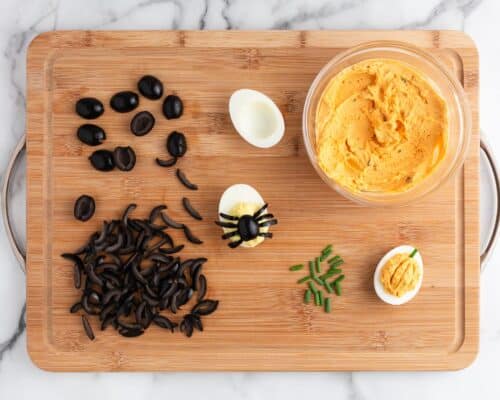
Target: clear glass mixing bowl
<point x="444" y="82"/>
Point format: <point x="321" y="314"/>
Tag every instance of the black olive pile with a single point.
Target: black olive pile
<point x="129" y="273"/>
<point x="130" y="277"/>
<point x="142" y="123"/>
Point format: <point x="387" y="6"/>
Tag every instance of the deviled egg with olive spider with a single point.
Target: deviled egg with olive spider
<point x="399" y="274"/>
<point x="243" y="216"/>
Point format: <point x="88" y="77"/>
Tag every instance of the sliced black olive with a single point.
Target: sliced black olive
<point x="107" y="321"/>
<point x="150" y="87"/>
<point x="75" y="308"/>
<point x="172" y="107"/>
<point x="166" y="163"/>
<point x="84" y="208"/>
<point x="102" y="160"/>
<point x="94" y="298"/>
<point x="164" y="322"/>
<point x="142" y="123"/>
<point x="130" y="332"/>
<point x="176" y="144"/>
<point x="91" y="134"/>
<point x="89" y="108"/>
<point x="186" y="326"/>
<point x="197" y="322"/>
<point x="123" y="102"/>
<point x="202" y="287"/>
<point x="124" y="158"/>
<point x="185" y="181"/>
<point x="87" y="328"/>
<point x="205" y="307"/>
<point x="190" y="235"/>
<point x="170" y="222"/>
<point x="77" y="276"/>
<point x="190" y="209"/>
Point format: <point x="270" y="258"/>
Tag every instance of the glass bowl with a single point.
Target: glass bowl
<point x="445" y="84"/>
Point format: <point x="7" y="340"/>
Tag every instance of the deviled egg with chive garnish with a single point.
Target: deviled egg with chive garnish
<point x="256" y="118"/>
<point x="243" y="216"/>
<point x="399" y="274"/>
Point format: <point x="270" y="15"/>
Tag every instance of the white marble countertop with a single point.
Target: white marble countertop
<point x="21" y="20"/>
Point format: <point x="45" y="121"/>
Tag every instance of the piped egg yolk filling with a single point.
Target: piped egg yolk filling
<point x="400" y="275"/>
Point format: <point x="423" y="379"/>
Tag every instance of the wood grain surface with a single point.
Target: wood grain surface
<point x="262" y="323"/>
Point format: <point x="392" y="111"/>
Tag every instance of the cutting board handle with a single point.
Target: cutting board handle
<point x="18" y="249"/>
<point x="20" y="252"/>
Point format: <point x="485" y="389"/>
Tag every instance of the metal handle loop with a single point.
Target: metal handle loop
<point x="494" y="234"/>
<point x="19" y="251"/>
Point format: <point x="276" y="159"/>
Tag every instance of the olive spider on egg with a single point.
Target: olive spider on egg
<point x="243" y="216"/>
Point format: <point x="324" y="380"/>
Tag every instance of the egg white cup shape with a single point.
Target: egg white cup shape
<point x="379" y="287"/>
<point x="256" y="118"/>
<point x="235" y="194"/>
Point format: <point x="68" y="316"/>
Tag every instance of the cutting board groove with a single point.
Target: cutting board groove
<point x="262" y="323"/>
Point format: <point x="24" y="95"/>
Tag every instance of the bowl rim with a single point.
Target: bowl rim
<point x="385" y="199"/>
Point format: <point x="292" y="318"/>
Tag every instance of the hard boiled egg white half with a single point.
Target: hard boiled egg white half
<point x="256" y="118"/>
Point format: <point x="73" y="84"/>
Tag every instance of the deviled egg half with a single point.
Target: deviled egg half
<point x="256" y="118"/>
<point x="399" y="274"/>
<point x="243" y="216"/>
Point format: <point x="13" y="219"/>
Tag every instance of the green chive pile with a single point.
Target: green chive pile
<point x="318" y="281"/>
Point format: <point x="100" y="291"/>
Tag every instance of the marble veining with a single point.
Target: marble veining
<point x="21" y="20"/>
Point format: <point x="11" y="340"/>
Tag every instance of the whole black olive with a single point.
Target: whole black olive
<point x="91" y="134"/>
<point x="124" y="158"/>
<point x="124" y="101"/>
<point x="172" y="107"/>
<point x="142" y="123"/>
<point x="150" y="87"/>
<point x="89" y="108"/>
<point x="84" y="208"/>
<point x="176" y="144"/>
<point x="102" y="160"/>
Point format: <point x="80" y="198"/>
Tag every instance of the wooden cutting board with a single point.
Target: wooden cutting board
<point x="262" y="323"/>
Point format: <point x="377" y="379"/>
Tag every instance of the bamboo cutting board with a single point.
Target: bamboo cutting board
<point x="261" y="323"/>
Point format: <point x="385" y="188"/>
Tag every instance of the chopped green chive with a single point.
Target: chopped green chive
<point x="311" y="268"/>
<point x="338" y="288"/>
<point x="328" y="305"/>
<point x="415" y="251"/>
<point x="334" y="259"/>
<point x="325" y="253"/>
<point x="317" y="298"/>
<point x="327" y="287"/>
<point x="318" y="287"/>
<point x="320" y="301"/>
<point x="328" y="249"/>
<point x="312" y="287"/>
<point x="336" y="264"/>
<point x="297" y="267"/>
<point x="330" y="273"/>
<point x="307" y="296"/>
<point x="318" y="280"/>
